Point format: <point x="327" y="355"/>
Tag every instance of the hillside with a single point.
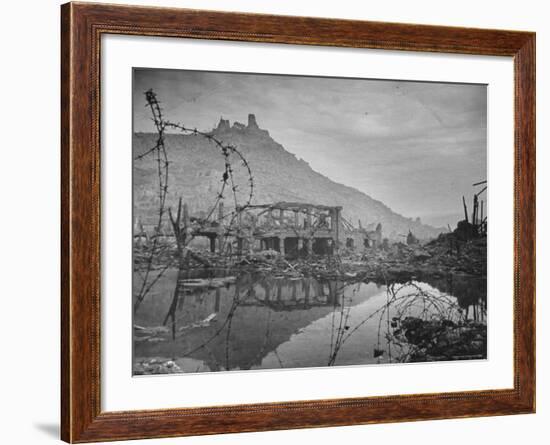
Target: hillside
<point x="196" y="168"/>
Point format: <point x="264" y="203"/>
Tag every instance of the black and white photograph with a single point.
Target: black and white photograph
<point x="282" y="221"/>
<point x="288" y="221"/>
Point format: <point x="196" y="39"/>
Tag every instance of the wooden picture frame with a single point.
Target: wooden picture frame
<point x="82" y="26"/>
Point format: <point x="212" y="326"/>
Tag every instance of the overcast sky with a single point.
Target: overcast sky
<point x="417" y="147"/>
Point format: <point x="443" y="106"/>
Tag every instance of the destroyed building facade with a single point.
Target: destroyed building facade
<point x="293" y="229"/>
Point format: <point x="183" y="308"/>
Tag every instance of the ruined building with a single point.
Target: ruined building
<point x="294" y="229"/>
<point x="251" y="127"/>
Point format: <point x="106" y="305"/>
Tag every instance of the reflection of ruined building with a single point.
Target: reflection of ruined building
<point x="470" y="292"/>
<point x="253" y="318"/>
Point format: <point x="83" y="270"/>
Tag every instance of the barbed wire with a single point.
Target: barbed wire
<point x="160" y="157"/>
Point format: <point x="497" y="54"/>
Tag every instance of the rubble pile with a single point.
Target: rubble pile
<point x="438" y="258"/>
<point x="156" y="366"/>
<point x="458" y="252"/>
<point x="441" y="339"/>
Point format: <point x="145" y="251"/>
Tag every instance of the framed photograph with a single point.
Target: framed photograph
<point x="274" y="222"/>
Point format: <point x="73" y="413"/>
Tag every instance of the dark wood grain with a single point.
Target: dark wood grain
<point x="82" y="27"/>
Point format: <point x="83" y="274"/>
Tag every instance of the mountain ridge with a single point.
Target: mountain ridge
<point x="197" y="166"/>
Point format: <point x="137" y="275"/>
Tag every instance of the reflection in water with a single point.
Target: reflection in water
<point x="215" y="322"/>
